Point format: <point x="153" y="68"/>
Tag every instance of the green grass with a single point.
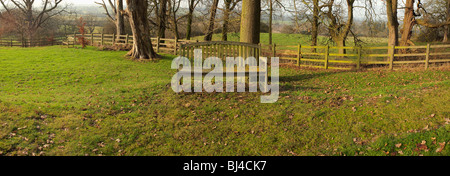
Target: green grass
<point x="60" y="101"/>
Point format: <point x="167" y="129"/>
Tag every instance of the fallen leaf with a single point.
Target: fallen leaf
<point x="441" y="147"/>
<point x="421" y="146"/>
<point x="398" y="145"/>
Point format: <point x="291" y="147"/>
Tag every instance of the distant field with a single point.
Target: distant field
<point x="295" y="39"/>
<point x="61" y="101"/>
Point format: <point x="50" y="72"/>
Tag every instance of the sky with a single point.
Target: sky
<point x="358" y="12"/>
<point x="81" y="2"/>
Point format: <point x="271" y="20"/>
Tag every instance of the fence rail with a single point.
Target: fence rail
<point x="329" y="57"/>
<point x="28" y="43"/>
<point x="171" y="46"/>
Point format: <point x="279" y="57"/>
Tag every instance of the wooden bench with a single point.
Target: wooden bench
<point x="222" y="50"/>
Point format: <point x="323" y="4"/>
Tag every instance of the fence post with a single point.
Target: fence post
<point x="391" y="64"/>
<point x="175" y="50"/>
<point x="274" y="50"/>
<point x="102" y="40"/>
<point x="127" y="39"/>
<point x="427" y="59"/>
<point x="11" y="43"/>
<point x="259" y="52"/>
<point x="114" y="39"/>
<point x="358" y="62"/>
<point x="299" y="56"/>
<point x="158" y="40"/>
<point x="92" y="39"/>
<point x="327" y="54"/>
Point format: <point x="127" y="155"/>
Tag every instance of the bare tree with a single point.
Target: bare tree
<point x="447" y="27"/>
<point x="338" y="28"/>
<point x="391" y="12"/>
<point x="212" y="19"/>
<point x="162" y="18"/>
<point x="271" y="4"/>
<point x="91" y="23"/>
<point x="190" y="16"/>
<point x="31" y="15"/>
<point x="116" y="17"/>
<point x="410" y="20"/>
<point x="137" y="12"/>
<point x="316" y="11"/>
<point x="230" y="5"/>
<point x="174" y="6"/>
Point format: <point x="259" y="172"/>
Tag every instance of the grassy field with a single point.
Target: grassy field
<point x="60" y="101"/>
<point x="295" y="39"/>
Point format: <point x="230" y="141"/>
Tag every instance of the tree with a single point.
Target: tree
<point x="33" y="17"/>
<point x="10" y="24"/>
<point x="250" y="21"/>
<point x="447" y="27"/>
<point x="271" y="4"/>
<point x="410" y="20"/>
<point x="190" y="16"/>
<point x="391" y="12"/>
<point x="174" y="7"/>
<point x="316" y="11"/>
<point x="338" y="31"/>
<point x="137" y="14"/>
<point x="162" y="18"/>
<point x="118" y="17"/>
<point x="91" y="23"/>
<point x="82" y="39"/>
<point x="212" y="19"/>
<point x="408" y="23"/>
<point x="315" y="24"/>
<point x="229" y="7"/>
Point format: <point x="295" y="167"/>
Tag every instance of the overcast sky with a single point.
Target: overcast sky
<point x="83" y="2"/>
<point x="359" y="12"/>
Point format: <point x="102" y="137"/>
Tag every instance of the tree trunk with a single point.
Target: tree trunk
<point x="212" y="19"/>
<point x="162" y="18"/>
<point x="391" y="10"/>
<point x="174" y="19"/>
<point x="120" y="24"/>
<point x="209" y="33"/>
<point x="226" y="18"/>
<point x="189" y="20"/>
<point x="447" y="27"/>
<point x="142" y="46"/>
<point x="315" y="24"/>
<point x="270" y="21"/>
<point x="338" y="32"/>
<point x="340" y="42"/>
<point x="446" y="34"/>
<point x="251" y="21"/>
<point x="408" y="23"/>
<point x="175" y="26"/>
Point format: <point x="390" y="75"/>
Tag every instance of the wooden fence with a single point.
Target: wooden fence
<point x="28" y="43"/>
<point x="356" y="57"/>
<point x="164" y="45"/>
<point x="327" y="57"/>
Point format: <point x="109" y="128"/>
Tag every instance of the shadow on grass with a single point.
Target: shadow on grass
<point x="288" y="83"/>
